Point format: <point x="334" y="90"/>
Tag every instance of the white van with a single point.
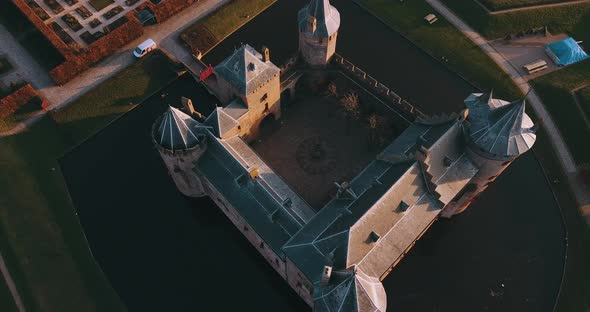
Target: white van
<point x="144" y="48"/>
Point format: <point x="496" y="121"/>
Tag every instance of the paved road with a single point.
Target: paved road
<point x="165" y="34"/>
<point x="532" y="7"/>
<point x="11" y="286"/>
<point x="565" y="158"/>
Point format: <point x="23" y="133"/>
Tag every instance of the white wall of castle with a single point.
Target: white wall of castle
<point x="489" y="169"/>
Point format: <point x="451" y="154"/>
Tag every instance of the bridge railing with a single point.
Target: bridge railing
<point x="376" y="86"/>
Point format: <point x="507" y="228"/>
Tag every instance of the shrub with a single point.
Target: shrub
<point x="16" y="100"/>
<point x="98" y="50"/>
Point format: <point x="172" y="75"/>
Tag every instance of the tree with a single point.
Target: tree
<point x="350" y="102"/>
<point x="332" y="89"/>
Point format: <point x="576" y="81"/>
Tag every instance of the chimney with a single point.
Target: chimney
<point x="311" y="24"/>
<point x="187" y="106"/>
<point x="326" y="273"/>
<point x="266" y="52"/>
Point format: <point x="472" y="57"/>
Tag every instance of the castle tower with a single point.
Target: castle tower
<point x="180" y="143"/>
<point x="318" y="29"/>
<point x="496" y="132"/>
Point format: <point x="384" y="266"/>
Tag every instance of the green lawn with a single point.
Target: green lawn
<point x="206" y="33"/>
<point x="109" y="100"/>
<point x="572" y="19"/>
<point x="555" y="89"/>
<point x="100" y="4"/>
<point x="496" y="5"/>
<point x="443" y="40"/>
<point x="40" y="233"/>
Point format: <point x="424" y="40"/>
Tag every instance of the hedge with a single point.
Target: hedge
<point x="166" y="9"/>
<point x="12" y="102"/>
<point x="97" y="51"/>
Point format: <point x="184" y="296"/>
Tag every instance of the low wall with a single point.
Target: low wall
<point x="377" y="87"/>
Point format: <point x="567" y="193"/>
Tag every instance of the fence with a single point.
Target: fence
<point x="380" y="89"/>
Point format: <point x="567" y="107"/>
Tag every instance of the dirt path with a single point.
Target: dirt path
<point x="532" y="7"/>
<point x="11" y="286"/>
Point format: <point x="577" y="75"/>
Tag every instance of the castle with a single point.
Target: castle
<point x="335" y="258"/>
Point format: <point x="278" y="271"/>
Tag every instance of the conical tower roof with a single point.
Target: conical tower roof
<point x="500" y="128"/>
<point x="327" y="18"/>
<point x="177" y="130"/>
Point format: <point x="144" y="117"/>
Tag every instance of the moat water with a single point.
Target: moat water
<point x="164" y="252"/>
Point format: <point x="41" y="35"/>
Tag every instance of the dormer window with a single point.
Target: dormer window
<point x="447" y="161"/>
<point x="403" y="206"/>
<point x="251" y="67"/>
<point x="373" y="237"/>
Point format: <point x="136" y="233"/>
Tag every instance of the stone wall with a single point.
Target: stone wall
<point x="317" y="52"/>
<point x="377" y="87"/>
<point x="271" y="257"/>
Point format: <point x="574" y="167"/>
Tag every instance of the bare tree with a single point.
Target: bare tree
<point x="332" y="89"/>
<point x="351" y="104"/>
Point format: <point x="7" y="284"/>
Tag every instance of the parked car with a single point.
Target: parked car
<point x="145" y="48"/>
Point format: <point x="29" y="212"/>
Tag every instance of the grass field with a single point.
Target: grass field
<point x="206" y="33"/>
<point x="555" y="89"/>
<point x="496" y="5"/>
<point x="443" y="40"/>
<point x="573" y="19"/>
<point x="584" y="97"/>
<point x="39" y="231"/>
<point x="109" y="100"/>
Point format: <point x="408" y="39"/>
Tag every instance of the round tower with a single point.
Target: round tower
<point x="180" y="142"/>
<point x="496" y="133"/>
<point x="318" y="28"/>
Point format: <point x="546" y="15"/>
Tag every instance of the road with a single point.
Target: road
<point x="165" y="34"/>
<point x="566" y="160"/>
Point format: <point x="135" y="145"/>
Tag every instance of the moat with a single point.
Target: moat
<point x="162" y="251"/>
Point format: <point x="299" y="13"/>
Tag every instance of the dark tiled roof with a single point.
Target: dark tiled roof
<point x="246" y="70"/>
<point x="177" y="130"/>
<point x="499" y="127"/>
<point x="327" y="18"/>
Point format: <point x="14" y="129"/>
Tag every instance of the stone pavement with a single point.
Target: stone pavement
<point x="565" y="158"/>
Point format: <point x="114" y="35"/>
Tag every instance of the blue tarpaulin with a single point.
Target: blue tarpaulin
<point x="566" y="52"/>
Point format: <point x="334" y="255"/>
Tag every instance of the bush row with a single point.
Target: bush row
<point x="166" y="9"/>
<point x="12" y="102"/>
<point x="98" y="50"/>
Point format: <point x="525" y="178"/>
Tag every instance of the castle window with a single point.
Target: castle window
<point x="373" y="237"/>
<point x="251" y="67"/>
<point x="265" y="107"/>
<point x="261" y="245"/>
<point x="264" y="97"/>
<point x="447" y="161"/>
<point x="402" y="206"/>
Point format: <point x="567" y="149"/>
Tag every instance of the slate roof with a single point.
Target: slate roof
<point x="327" y="18"/>
<point x="177" y="130"/>
<point x="351" y="291"/>
<point x="246" y="70"/>
<point x="499" y="127"/>
<point x="220" y="122"/>
<point x="263" y="213"/>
